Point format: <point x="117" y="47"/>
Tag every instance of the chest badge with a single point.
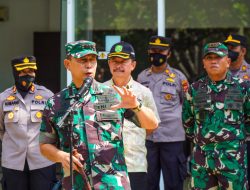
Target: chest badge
<point x="10" y="98"/>
<point x="168" y="97"/>
<point x="10" y="115"/>
<point x="38" y="97"/>
<point x="245" y="77"/>
<point x="244" y="68"/>
<point x="172" y="75"/>
<point x="167" y="71"/>
<point x="170" y="80"/>
<point x="39" y="114"/>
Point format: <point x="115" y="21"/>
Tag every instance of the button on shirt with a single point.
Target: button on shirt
<point x="168" y="90"/>
<point x="134" y="136"/>
<point x="19" y="127"/>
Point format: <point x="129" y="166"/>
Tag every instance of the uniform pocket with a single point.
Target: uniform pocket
<point x="11" y="114"/>
<point x="169" y="96"/>
<point x="36" y="113"/>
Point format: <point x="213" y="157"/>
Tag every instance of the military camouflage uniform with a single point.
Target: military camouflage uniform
<point x="216" y="117"/>
<point x="97" y="136"/>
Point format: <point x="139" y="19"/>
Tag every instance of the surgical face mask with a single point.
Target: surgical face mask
<point x="157" y="59"/>
<point x="24" y="82"/>
<point x="233" y="55"/>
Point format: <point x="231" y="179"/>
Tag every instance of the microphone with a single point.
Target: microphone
<point x="84" y="88"/>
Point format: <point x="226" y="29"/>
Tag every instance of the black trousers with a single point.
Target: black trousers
<point x="138" y="180"/>
<point x="39" y="179"/>
<point x="169" y="158"/>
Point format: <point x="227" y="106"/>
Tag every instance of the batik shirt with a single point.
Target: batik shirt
<point x="97" y="136"/>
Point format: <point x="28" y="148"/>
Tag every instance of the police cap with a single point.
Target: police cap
<point x="236" y="40"/>
<point x="24" y="62"/>
<point x="160" y="42"/>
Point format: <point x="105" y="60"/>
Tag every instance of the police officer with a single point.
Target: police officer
<point x="237" y="48"/>
<point x="21" y="109"/>
<point x="122" y="63"/>
<point x="216" y="115"/>
<point x="165" y="145"/>
<point x="98" y="158"/>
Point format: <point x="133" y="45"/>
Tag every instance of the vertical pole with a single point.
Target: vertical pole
<point x="70" y="28"/>
<point x="161" y="17"/>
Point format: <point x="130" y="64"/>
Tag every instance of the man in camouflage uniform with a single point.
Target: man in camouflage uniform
<point x="21" y="108"/>
<point x="237" y="47"/>
<point x="98" y="147"/>
<point x="216" y="115"/>
<point x="121" y="64"/>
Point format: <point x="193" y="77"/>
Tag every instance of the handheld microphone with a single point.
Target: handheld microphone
<point x="84" y="88"/>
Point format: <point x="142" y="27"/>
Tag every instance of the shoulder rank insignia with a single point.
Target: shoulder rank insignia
<point x="38" y="97"/>
<point x="10" y="98"/>
<point x="245" y="77"/>
<point x="168" y="97"/>
<point x="39" y="114"/>
<point x="170" y="80"/>
<point x="244" y="68"/>
<point x="10" y="115"/>
<point x="172" y="75"/>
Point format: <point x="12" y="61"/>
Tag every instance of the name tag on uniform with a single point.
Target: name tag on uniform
<point x="106" y="98"/>
<point x="107" y="115"/>
<point x="103" y="106"/>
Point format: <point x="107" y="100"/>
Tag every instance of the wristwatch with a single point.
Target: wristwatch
<point x="137" y="108"/>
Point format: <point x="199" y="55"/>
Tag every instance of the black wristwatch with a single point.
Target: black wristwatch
<point x="137" y="108"/>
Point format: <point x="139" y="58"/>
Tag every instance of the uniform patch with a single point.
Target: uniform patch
<point x="184" y="84"/>
<point x="38" y="97"/>
<point x="39" y="114"/>
<point x="244" y="68"/>
<point x="10" y="98"/>
<point x="245" y="77"/>
<point x="168" y="96"/>
<point x="172" y="75"/>
<point x="10" y="115"/>
<point x="170" y="80"/>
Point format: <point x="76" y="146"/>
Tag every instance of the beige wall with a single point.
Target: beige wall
<point x="16" y="34"/>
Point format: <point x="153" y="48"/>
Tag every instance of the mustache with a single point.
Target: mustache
<point x="118" y="70"/>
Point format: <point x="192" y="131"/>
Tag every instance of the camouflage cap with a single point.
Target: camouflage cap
<point x="218" y="48"/>
<point x="24" y="62"/>
<point x="80" y="48"/>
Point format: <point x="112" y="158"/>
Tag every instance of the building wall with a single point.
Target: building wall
<point x="16" y="34"/>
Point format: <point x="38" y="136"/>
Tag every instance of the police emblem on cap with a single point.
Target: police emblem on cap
<point x="230" y="37"/>
<point x="118" y="48"/>
<point x="157" y="41"/>
<point x="26" y="60"/>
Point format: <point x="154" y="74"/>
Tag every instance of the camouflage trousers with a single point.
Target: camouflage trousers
<point x="224" y="168"/>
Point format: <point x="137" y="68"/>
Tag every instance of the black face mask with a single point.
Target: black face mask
<point x="24" y="82"/>
<point x="233" y="55"/>
<point x="157" y="59"/>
